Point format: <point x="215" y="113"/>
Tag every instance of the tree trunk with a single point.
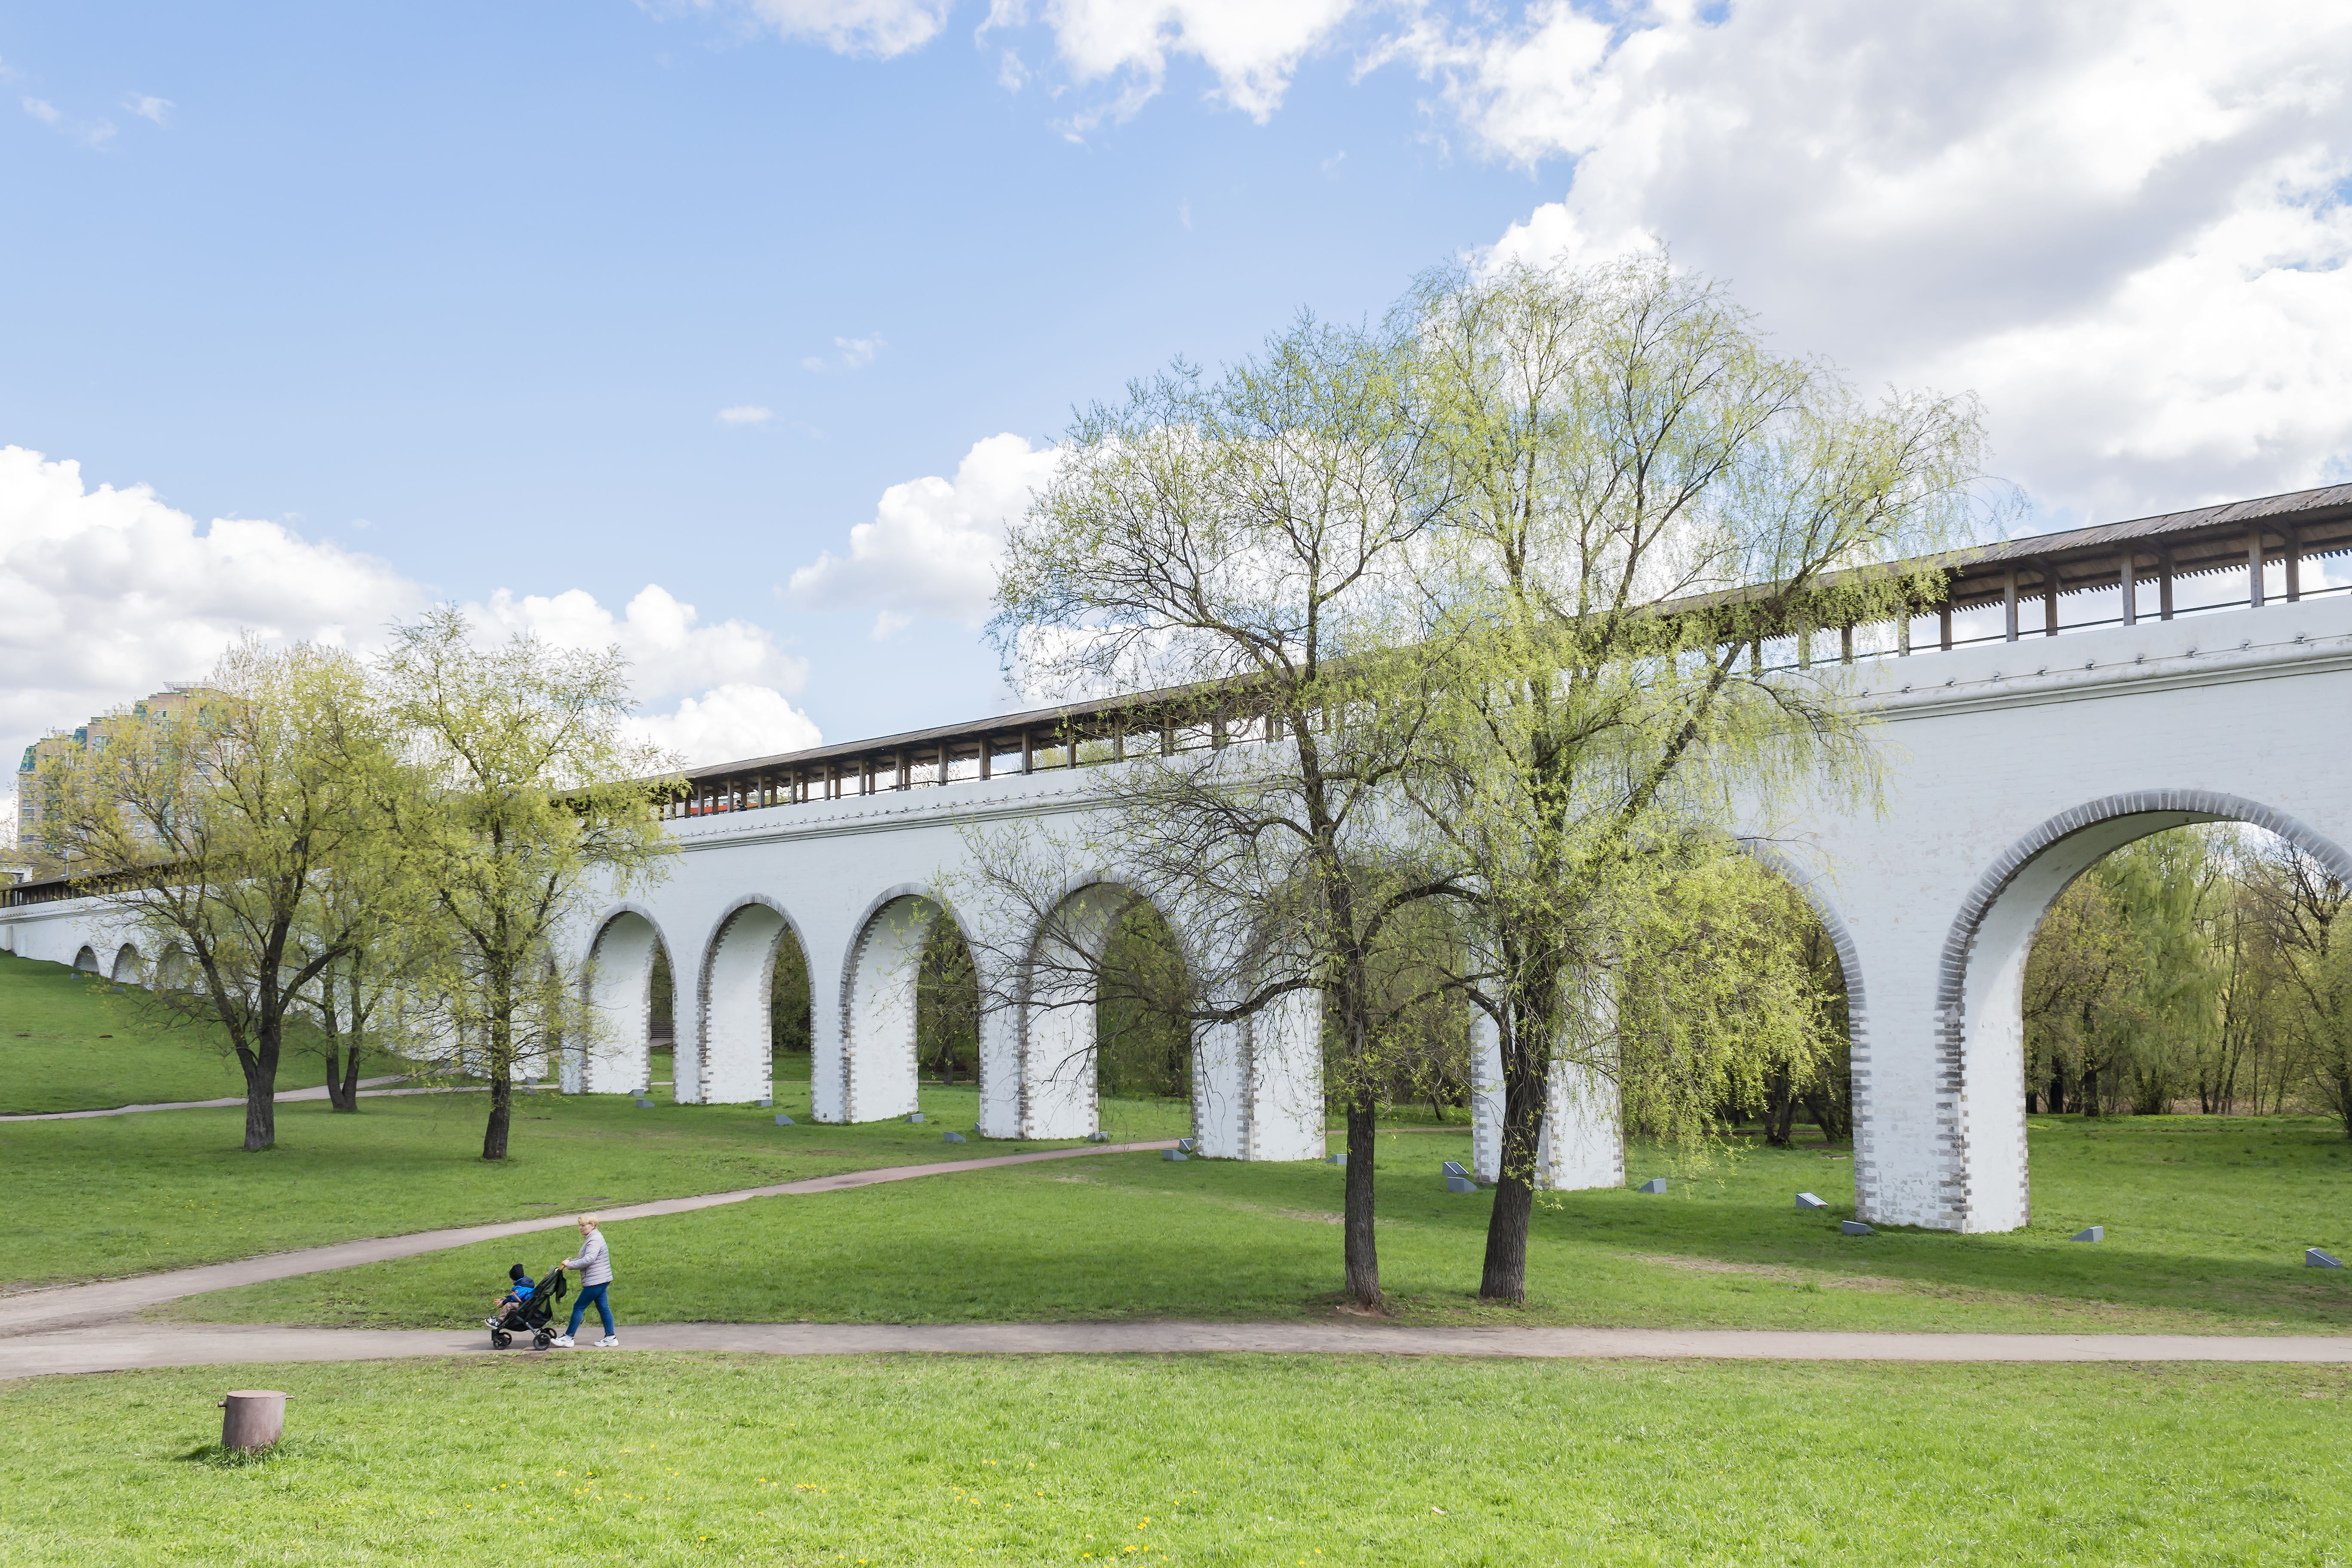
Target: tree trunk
<point x="261" y="1066"/>
<point x="494" y="1136"/>
<point x="1780" y="1111"/>
<point x="1362" y="1248"/>
<point x="348" y="1098"/>
<point x="1504" y="1277"/>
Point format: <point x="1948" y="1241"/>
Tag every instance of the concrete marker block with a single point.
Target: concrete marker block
<point x="783" y="1120"/>
<point x="1460" y="1184"/>
<point x="2095" y="1233"/>
<point x="1854" y="1227"/>
<point x="1654" y="1185"/>
<point x="1171" y="1154"/>
<point x="1338" y="1159"/>
<point x="953" y="1138"/>
<point x="767" y="1101"/>
<point x="1098" y="1137"/>
<point x="1807" y="1201"/>
<point x="644" y="1104"/>
<point x="914" y="1119"/>
<point x="2314" y="1258"/>
<point x="1185" y="1145"/>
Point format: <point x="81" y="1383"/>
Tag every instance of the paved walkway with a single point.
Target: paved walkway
<point x="368" y="1086"/>
<point x="111" y="1300"/>
<point x="122" y="1347"/>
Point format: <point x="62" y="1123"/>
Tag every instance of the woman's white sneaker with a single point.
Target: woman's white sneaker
<point x="561" y="1342"/>
<point x="610" y="1341"/>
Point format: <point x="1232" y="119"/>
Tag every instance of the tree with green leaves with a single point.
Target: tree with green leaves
<point x="1648" y="516"/>
<point x="535" y="791"/>
<point x="1241" y="543"/>
<point x="225" y="828"/>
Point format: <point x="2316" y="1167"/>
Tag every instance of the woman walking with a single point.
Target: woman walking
<point x="595" y="1266"/>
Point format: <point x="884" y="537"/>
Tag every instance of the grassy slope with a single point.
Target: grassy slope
<point x="1241" y="1460"/>
<point x="2205" y="1221"/>
<point x="70" y="1041"/>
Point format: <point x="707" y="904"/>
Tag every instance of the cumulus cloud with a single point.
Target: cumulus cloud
<point x="1249" y="47"/>
<point x="729" y="723"/>
<point x="111" y="594"/>
<point x="89" y="132"/>
<point x="932" y="547"/>
<point x="670" y="649"/>
<point x="877" y="28"/>
<point x="2121" y="222"/>
<point x="146" y="106"/>
<point x="745" y="414"/>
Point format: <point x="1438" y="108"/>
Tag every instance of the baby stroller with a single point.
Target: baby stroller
<point x="533" y="1315"/>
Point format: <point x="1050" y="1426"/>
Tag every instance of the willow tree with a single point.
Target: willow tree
<point x="219" y="826"/>
<point x="1641" y="497"/>
<point x="1240" y="545"/>
<point x="536" y="794"/>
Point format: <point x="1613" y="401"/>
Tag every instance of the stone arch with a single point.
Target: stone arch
<point x="1979" y="1032"/>
<point x="878" y="1002"/>
<point x="126" y="968"/>
<point x="175" y="969"/>
<point x="86" y="960"/>
<point x="731" y="1059"/>
<point x="618" y="987"/>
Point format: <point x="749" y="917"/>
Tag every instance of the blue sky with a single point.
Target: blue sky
<point x="571" y="302"/>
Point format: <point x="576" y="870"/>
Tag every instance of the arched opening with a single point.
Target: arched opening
<point x="175" y="971"/>
<point x="1982" y="1038"/>
<point x="1794" y="1102"/>
<point x="125" y="970"/>
<point x="882" y="1007"/>
<point x="752" y="956"/>
<point x="615" y="1058"/>
<point x="947" y="1008"/>
<point x="792" y="1034"/>
<point x="1143" y="1040"/>
<point x="1101" y="1012"/>
<point x="87" y="961"/>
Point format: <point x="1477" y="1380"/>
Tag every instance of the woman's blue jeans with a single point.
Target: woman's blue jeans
<point x="579" y="1308"/>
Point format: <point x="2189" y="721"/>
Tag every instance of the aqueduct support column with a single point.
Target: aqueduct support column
<point x="1284" y="1083"/>
<point x="1582" y="1145"/>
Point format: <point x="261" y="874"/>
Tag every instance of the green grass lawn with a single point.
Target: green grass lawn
<point x="2206" y="1223"/>
<point x="70" y="1041"/>
<point x="116" y="1195"/>
<point x="1254" y="1460"/>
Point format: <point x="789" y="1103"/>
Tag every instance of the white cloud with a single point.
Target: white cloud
<point x="2121" y="222"/>
<point x="1250" y="47"/>
<point x="729" y="723"/>
<point x="111" y="594"/>
<point x="146" y="106"/>
<point x="853" y="353"/>
<point x="745" y="414"/>
<point x="877" y="28"/>
<point x="670" y="651"/>
<point x="932" y="547"/>
<point x="89" y="132"/>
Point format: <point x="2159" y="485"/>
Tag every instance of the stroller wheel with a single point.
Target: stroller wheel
<point x="541" y="1340"/>
<point x="500" y="1339"/>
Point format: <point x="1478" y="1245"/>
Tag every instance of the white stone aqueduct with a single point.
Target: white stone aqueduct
<point x="2013" y="764"/>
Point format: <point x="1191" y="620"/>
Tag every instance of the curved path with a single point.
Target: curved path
<point x="123" y="1347"/>
<point x="368" y="1086"/>
<point x="69" y="1306"/>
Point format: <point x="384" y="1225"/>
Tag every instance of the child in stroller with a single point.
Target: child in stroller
<point x="526" y="1309"/>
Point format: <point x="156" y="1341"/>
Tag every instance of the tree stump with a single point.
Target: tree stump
<point x="252" y="1418"/>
